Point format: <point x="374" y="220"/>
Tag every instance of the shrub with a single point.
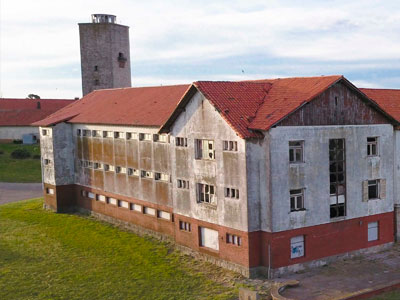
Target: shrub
<point x="1" y="152"/>
<point x="20" y="154"/>
<point x="17" y="141"/>
<point x="36" y="156"/>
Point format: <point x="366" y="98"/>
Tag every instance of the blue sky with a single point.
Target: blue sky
<point x="183" y="41"/>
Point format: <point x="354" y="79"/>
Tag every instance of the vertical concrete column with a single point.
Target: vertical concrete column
<point x="397" y="222"/>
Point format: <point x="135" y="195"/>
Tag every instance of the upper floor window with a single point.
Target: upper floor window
<point x="45" y="132"/>
<point x="161" y="176"/>
<point x="205" y="193"/>
<point x="121" y="170"/>
<point x="96" y="133"/>
<point x="181" y="141"/>
<point x="146" y="174"/>
<point x="373" y="189"/>
<point x="118" y="135"/>
<point x="145" y="136"/>
<point x="296" y="149"/>
<point x="86" y="133"/>
<point x="230" y="146"/>
<point x="182" y="184"/>
<point x="372" y="146"/>
<point x="296" y="200"/>
<point x="162" y="138"/>
<point x="131" y="136"/>
<point x="78" y="132"/>
<point x="107" y="134"/>
<point x="133" y="172"/>
<point x="205" y="149"/>
<point x="231" y="193"/>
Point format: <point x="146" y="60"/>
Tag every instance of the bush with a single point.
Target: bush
<point x="17" y="141"/>
<point x="1" y="152"/>
<point x="36" y="156"/>
<point x="20" y="154"/>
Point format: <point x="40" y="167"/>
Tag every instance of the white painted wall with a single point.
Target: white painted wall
<point x="16" y="132"/>
<point x="313" y="174"/>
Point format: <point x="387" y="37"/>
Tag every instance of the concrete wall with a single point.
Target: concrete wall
<point x="313" y="174"/>
<point x="200" y="120"/>
<point x="100" y="44"/>
<point x="16" y="132"/>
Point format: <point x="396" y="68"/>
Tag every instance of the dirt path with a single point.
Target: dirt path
<point x="11" y="192"/>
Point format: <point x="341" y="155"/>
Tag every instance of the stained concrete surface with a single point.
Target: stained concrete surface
<point x="346" y="277"/>
<point x="11" y="192"/>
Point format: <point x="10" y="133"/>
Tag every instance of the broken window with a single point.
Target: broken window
<point x="185" y="226"/>
<point x="372" y="146"/>
<point x="78" y="132"/>
<point x="46" y="161"/>
<point x="97" y="166"/>
<point x="145" y="136"/>
<point x="146" y="174"/>
<point x="373" y="231"/>
<point x="133" y="172"/>
<point x="96" y="68"/>
<point x="118" y="135"/>
<point x="373" y="189"/>
<point x="296" y="200"/>
<point x="45" y="132"/>
<point x="107" y="134"/>
<point x="205" y="149"/>
<point x="229" y="145"/>
<point x="181" y="142"/>
<point x="87" y="133"/>
<point x="231" y="193"/>
<point x="337" y="175"/>
<point x="131" y="136"/>
<point x="233" y="239"/>
<point x="297" y="246"/>
<point x="205" y="193"/>
<point x="161" y="176"/>
<point x="96" y="133"/>
<point x="121" y="170"/>
<point x="96" y="82"/>
<point x="296" y="151"/>
<point x="182" y="184"/>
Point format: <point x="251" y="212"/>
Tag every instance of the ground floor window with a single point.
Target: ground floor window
<point x="297" y="246"/>
<point x="208" y="238"/>
<point x="373" y="230"/>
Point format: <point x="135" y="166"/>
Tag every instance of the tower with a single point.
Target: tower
<point x="105" y="58"/>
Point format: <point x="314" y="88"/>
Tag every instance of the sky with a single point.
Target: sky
<point x="176" y="42"/>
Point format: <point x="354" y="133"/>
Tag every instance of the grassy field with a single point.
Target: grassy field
<point x="19" y="170"/>
<point x="395" y="295"/>
<point x="44" y="255"/>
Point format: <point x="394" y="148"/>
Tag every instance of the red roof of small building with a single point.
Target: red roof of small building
<point x="23" y="112"/>
<point x="142" y="106"/>
<point x="387" y="99"/>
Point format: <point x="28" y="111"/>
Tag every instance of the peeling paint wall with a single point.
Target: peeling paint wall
<point x="200" y="120"/>
<point x="313" y="174"/>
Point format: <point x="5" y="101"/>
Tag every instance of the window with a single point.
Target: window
<point x="109" y="168"/>
<point x="46" y="161"/>
<point x="96" y="68"/>
<point x="146" y="174"/>
<point x="205" y="193"/>
<point x="163" y="215"/>
<point x="145" y="136"/>
<point x="163" y="138"/>
<point x="296" y="200"/>
<point x="86" y="133"/>
<point x="373" y="231"/>
<point x="96" y="133"/>
<point x="182" y="184"/>
<point x="101" y="198"/>
<point x="131" y="136"/>
<point x="123" y="204"/>
<point x="96" y="82"/>
<point x="89" y="164"/>
<point x="78" y="132"/>
<point x="185" y="226"/>
<point x="49" y="191"/>
<point x="205" y="149"/>
<point x="133" y="172"/>
<point x="90" y="195"/>
<point x="373" y="189"/>
<point x="118" y="135"/>
<point x="149" y="211"/>
<point x="45" y="132"/>
<point x="84" y="193"/>
<point x="97" y="166"/>
<point x="136" y="207"/>
<point x="372" y="146"/>
<point x="111" y="200"/>
<point x="233" y="239"/>
<point x="161" y="176"/>
<point x="208" y="238"/>
<point x="121" y="170"/>
<point x="181" y="142"/>
<point x="229" y="145"/>
<point x="337" y="177"/>
<point x="231" y="193"/>
<point x="297" y="246"/>
<point x="296" y="151"/>
<point x="107" y="134"/>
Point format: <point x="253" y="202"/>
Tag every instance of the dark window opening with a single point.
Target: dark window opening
<point x="96" y="68"/>
<point x="337" y="178"/>
<point x="373" y="189"/>
<point x="96" y="82"/>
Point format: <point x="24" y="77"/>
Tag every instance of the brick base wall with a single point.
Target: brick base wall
<point x="259" y="251"/>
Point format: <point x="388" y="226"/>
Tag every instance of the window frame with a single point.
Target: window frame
<point x="204" y="192"/>
<point x="370" y="146"/>
<point x="378" y="189"/>
<point x="295" y="149"/>
<point x="204" y="154"/>
<point x="296" y="194"/>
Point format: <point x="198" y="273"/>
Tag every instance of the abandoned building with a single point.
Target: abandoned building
<point x="17" y="115"/>
<point x="257" y="176"/>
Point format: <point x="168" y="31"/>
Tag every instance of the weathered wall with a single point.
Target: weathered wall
<point x="47" y="152"/>
<point x="100" y="45"/>
<point x="200" y="120"/>
<point x="16" y="132"/>
<point x="313" y="174"/>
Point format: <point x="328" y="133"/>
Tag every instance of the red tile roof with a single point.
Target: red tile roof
<point x="23" y="112"/>
<point x="387" y="99"/>
<point x="143" y="106"/>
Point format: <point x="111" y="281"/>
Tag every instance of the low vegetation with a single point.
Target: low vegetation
<point x="20" y="163"/>
<point x="44" y="255"/>
<point x="394" y="295"/>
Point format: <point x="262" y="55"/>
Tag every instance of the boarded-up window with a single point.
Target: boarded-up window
<point x="297" y="246"/>
<point x="91" y="195"/>
<point x="111" y="200"/>
<point x="149" y="211"/>
<point x="49" y="191"/>
<point x="373" y="231"/>
<point x="209" y="238"/>
<point x="136" y="207"/>
<point x="101" y="198"/>
<point x="164" y="215"/>
<point x="123" y="204"/>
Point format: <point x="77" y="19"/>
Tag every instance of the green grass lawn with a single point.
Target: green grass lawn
<point x="44" y="255"/>
<point x="19" y="170"/>
<point x="395" y="295"/>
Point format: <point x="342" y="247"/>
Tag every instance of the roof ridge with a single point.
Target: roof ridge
<point x="140" y="87"/>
